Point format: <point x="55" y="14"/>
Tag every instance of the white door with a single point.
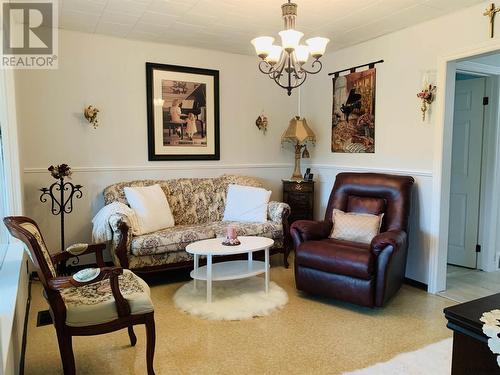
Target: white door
<point x="466" y="172"/>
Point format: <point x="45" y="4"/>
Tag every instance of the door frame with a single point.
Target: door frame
<point x="446" y="71"/>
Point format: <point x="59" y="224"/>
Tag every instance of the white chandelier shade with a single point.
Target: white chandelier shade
<point x="285" y="64"/>
<point x="290" y="39"/>
<point x="317" y="46"/>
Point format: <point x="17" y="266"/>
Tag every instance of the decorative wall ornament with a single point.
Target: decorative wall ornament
<point x="61" y="205"/>
<point x="183" y="112"/>
<point x="353" y="110"/>
<point x="262" y="122"/>
<point x="90" y="114"/>
<point x="285" y="64"/>
<point x="491" y="12"/>
<point x="427" y="96"/>
<point x="491" y="328"/>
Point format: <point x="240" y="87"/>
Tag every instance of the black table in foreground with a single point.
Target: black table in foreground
<point x="471" y="354"/>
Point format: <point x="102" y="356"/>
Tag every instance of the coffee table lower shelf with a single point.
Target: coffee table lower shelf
<point x="237" y="269"/>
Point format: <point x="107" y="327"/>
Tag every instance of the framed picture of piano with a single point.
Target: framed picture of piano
<point x="353" y="112"/>
<point x="183" y="112"/>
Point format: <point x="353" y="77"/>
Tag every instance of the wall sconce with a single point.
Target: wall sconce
<point x="427" y="96"/>
<point x="90" y="114"/>
<point x="428" y="93"/>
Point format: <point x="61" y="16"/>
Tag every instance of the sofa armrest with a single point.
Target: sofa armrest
<point x="277" y="211"/>
<point x="394" y="238"/>
<point x="122" y="236"/>
<point x="307" y="230"/>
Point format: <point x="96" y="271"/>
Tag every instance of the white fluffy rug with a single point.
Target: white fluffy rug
<point x="231" y="300"/>
<point x="432" y="359"/>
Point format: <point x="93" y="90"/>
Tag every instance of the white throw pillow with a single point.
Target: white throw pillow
<point x="351" y="226"/>
<point x="246" y="203"/>
<point x="151" y="208"/>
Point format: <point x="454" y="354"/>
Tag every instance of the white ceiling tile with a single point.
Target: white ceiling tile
<point x="130" y="7"/>
<point x="121" y="18"/>
<point x="160" y="19"/>
<point x="171" y="7"/>
<point x="89" y="6"/>
<point x="229" y="25"/>
<point x="80" y="21"/>
<point x="115" y="29"/>
<point x="142" y="27"/>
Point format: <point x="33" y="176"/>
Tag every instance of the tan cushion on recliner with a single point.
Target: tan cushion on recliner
<point x="94" y="303"/>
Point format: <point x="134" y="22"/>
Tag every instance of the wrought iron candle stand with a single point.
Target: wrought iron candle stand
<point x="61" y="206"/>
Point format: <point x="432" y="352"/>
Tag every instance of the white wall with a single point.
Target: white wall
<point x="110" y="73"/>
<point x="403" y="143"/>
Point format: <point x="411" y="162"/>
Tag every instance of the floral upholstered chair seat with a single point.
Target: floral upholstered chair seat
<point x="94" y="303"/>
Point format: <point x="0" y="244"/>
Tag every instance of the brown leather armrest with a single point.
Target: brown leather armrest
<point x="96" y="248"/>
<point x="394" y="238"/>
<point x="111" y="273"/>
<point x="307" y="230"/>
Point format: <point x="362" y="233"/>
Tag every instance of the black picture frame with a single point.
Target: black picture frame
<point x="153" y="155"/>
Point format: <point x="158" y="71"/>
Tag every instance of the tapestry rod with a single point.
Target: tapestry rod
<point x="353" y="69"/>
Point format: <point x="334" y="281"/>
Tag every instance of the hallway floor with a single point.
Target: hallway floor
<point x="464" y="284"/>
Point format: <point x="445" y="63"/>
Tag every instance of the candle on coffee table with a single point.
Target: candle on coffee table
<point x="231" y="233"/>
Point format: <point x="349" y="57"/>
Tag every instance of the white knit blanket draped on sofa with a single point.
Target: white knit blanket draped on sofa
<point x="101" y="230"/>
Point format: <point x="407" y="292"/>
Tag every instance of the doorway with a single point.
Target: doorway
<point x="466" y="164"/>
<point x="472" y="217"/>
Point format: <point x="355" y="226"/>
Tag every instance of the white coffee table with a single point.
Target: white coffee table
<point x="230" y="270"/>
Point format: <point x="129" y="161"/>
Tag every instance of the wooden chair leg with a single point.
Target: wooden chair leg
<point x="66" y="350"/>
<point x="150" y="343"/>
<point x="131" y="334"/>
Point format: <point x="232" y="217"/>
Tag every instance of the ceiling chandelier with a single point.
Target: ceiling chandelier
<point x="285" y="64"/>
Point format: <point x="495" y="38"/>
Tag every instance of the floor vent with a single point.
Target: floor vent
<point x="43" y="318"/>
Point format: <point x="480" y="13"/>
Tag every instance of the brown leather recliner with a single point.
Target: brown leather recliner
<point x="364" y="274"/>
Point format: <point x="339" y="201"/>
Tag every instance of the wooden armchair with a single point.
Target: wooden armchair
<point x="115" y="299"/>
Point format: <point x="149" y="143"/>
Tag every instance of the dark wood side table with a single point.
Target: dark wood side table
<point x="471" y="354"/>
<point x="299" y="195"/>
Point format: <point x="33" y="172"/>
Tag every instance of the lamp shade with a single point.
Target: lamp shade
<point x="317" y="46"/>
<point x="262" y="45"/>
<point x="290" y="39"/>
<point x="274" y="54"/>
<point x="302" y="54"/>
<point x="298" y="131"/>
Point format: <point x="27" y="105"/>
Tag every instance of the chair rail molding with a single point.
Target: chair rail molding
<point x="139" y="168"/>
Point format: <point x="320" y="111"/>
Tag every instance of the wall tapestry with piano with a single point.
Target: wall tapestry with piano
<point x="183" y="112"/>
<point x="353" y="111"/>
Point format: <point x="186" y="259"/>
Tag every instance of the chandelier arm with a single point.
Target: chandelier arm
<point x="312" y="66"/>
<point x="264" y="64"/>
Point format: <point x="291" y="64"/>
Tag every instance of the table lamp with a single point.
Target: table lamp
<point x="299" y="133"/>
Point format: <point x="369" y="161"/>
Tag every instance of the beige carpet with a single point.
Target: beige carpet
<point x="309" y="336"/>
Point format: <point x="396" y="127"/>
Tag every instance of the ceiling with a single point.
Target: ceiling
<point x="229" y="25"/>
<point x="492" y="60"/>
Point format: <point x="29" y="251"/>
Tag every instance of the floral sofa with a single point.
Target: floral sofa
<point x="197" y="205"/>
